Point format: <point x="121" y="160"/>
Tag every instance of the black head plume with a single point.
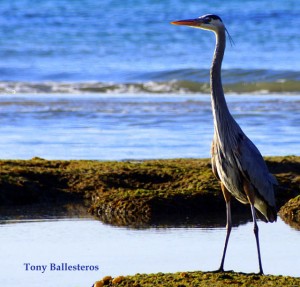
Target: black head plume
<point x="230" y="38"/>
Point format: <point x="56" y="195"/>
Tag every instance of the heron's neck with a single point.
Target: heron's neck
<point x="220" y="110"/>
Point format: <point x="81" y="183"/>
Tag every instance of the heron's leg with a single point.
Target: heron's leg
<point x="250" y="194"/>
<point x="227" y="197"/>
<point x="257" y="239"/>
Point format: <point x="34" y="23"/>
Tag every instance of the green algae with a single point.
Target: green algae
<point x="290" y="212"/>
<point x="200" y="279"/>
<point x="134" y="193"/>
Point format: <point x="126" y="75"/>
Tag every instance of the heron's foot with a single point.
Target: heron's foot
<point x="217" y="271"/>
<point x="221" y="270"/>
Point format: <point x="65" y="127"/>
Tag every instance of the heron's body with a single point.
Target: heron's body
<point x="235" y="159"/>
<point x="236" y="162"/>
<point x="232" y="166"/>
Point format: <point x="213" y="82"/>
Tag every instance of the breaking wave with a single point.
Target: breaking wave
<point x="176" y="81"/>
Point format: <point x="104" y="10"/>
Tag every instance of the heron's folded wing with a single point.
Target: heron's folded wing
<point x="254" y="169"/>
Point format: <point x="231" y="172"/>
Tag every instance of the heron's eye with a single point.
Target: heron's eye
<point x="207" y="20"/>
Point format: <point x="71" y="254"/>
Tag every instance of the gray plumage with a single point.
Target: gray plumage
<point x="236" y="162"/>
<point x="234" y="157"/>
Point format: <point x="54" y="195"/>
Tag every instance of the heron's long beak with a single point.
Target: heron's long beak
<point x="189" y="22"/>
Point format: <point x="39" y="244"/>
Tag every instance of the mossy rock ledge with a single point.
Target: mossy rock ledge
<point x="199" y="279"/>
<point x="290" y="212"/>
<point x="169" y="191"/>
<point x="134" y="193"/>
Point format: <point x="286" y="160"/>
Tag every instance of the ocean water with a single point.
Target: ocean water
<point x="129" y="46"/>
<point x="114" y="80"/>
<point x="139" y="126"/>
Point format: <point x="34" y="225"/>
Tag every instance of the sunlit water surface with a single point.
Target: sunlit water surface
<point x="122" y="251"/>
<point x="145" y="126"/>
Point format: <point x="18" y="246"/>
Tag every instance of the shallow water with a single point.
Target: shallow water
<point x="122" y="251"/>
<point x="117" y="127"/>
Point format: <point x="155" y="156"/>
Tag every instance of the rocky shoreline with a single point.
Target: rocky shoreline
<point x="138" y="193"/>
<point x="199" y="279"/>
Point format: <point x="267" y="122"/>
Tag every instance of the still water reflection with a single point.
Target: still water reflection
<point x="121" y="251"/>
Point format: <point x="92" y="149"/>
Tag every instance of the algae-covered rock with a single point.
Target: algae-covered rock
<point x="204" y="279"/>
<point x="180" y="189"/>
<point x="290" y="212"/>
<point x="134" y="193"/>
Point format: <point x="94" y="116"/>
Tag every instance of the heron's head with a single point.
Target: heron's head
<point x="206" y="22"/>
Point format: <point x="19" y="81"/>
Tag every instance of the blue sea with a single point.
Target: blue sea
<point x="86" y="79"/>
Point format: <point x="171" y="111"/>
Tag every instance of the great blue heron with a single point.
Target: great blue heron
<point x="236" y="162"/>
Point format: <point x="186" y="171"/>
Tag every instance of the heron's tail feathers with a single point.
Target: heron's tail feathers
<point x="269" y="216"/>
<point x="272" y="213"/>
